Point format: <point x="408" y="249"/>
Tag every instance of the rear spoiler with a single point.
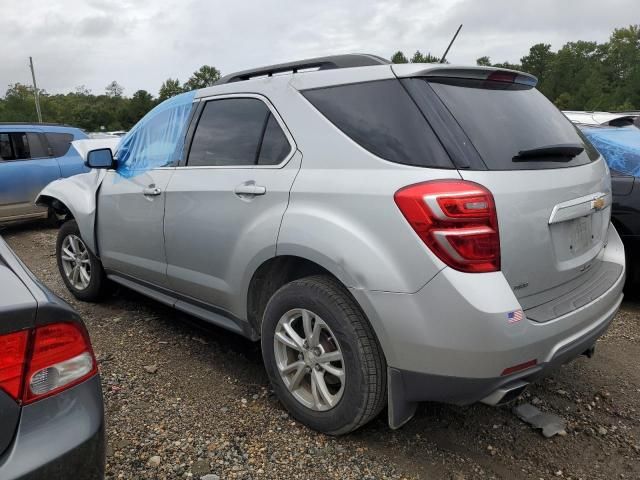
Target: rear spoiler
<point x="438" y="70"/>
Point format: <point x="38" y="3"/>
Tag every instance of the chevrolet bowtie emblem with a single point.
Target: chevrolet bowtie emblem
<point x="597" y="204"/>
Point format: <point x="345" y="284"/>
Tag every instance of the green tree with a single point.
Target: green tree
<point x="169" y="88"/>
<point x="483" y="61"/>
<point x="418" y="57"/>
<point x="114" y="89"/>
<point x="206" y="76"/>
<point x="399" y="57"/>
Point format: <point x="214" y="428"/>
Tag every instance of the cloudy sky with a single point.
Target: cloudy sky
<point x="140" y="43"/>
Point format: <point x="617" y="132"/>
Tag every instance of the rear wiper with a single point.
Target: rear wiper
<point x="563" y="152"/>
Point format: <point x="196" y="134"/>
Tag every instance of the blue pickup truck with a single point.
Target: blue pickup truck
<point x="31" y="156"/>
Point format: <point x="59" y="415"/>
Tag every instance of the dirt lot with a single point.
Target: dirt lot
<point x="197" y="397"/>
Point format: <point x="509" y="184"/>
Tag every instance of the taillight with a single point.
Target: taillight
<point x="457" y="220"/>
<point x="13" y="356"/>
<point x="45" y="361"/>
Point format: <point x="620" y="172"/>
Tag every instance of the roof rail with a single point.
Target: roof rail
<point x="36" y="124"/>
<point x="321" y="63"/>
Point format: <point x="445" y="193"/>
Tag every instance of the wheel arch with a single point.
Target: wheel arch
<point x="75" y="197"/>
<point x="277" y="271"/>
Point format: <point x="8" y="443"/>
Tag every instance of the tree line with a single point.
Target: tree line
<point x="108" y="111"/>
<point x="579" y="76"/>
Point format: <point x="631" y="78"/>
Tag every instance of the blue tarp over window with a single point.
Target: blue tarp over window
<point x="157" y="139"/>
<point x="620" y="147"/>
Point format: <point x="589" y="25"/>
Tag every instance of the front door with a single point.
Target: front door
<point x="129" y="224"/>
<point x="224" y="207"/>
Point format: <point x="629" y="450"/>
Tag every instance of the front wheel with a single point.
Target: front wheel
<point x="80" y="269"/>
<point x="322" y="357"/>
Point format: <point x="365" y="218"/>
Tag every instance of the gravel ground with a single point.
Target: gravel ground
<point x="187" y="400"/>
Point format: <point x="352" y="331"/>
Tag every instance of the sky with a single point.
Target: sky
<point x="140" y="43"/>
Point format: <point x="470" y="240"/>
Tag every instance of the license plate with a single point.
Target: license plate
<point x="581" y="234"/>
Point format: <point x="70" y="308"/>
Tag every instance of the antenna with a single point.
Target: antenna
<point x="35" y="89"/>
<point x="450" y="43"/>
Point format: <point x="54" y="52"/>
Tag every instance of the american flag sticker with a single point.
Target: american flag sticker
<point x="515" y="316"/>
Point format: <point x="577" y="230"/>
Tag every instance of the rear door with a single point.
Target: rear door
<point x="552" y="189"/>
<point x="25" y="168"/>
<point x="224" y="207"/>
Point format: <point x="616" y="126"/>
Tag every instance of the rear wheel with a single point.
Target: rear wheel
<point x="322" y="357"/>
<point x="80" y="269"/>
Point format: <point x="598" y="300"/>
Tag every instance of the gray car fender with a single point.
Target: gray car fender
<point x="78" y="195"/>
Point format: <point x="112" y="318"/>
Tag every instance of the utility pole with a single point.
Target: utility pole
<point x="442" y="60"/>
<point x="35" y="89"/>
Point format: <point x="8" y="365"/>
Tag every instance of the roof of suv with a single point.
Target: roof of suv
<point x="349" y="68"/>
<point x="49" y="127"/>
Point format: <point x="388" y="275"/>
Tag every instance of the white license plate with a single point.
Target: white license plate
<point x="581" y="235"/>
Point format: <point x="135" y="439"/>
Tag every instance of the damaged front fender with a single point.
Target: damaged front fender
<point x="76" y="197"/>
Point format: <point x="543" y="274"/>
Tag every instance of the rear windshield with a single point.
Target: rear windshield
<point x="381" y="117"/>
<point x="502" y="119"/>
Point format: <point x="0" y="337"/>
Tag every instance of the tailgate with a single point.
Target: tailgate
<point x="552" y="223"/>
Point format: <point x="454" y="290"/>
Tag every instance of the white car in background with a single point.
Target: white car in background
<point x="612" y="119"/>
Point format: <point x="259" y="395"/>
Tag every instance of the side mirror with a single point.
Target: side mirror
<point x="100" y="158"/>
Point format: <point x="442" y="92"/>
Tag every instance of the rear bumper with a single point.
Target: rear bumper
<point x="59" y="437"/>
<point x="452" y="341"/>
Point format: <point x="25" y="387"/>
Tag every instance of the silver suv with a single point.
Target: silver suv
<point x="390" y="233"/>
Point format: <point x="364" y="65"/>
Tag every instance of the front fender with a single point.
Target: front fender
<point x="78" y="195"/>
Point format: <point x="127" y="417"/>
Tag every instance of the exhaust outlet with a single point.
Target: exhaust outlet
<point x="505" y="394"/>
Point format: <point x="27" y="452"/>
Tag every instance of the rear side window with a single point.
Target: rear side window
<point x="275" y="146"/>
<point x="381" y="117"/>
<point x="59" y="143"/>
<point x="236" y="132"/>
<point x="502" y="119"/>
<point x="37" y="147"/>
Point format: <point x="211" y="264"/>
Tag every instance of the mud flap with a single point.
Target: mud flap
<point x="400" y="410"/>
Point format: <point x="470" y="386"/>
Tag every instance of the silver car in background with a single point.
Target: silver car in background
<point x="391" y="233"/>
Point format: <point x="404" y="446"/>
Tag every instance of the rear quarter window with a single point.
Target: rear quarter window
<point x="382" y="118"/>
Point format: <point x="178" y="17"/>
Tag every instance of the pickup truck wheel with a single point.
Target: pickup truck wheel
<point x="80" y="269"/>
<point x="322" y="357"/>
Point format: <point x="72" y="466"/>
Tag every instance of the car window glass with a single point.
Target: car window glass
<point x="228" y="133"/>
<point x="381" y="117"/>
<point x="59" y="143"/>
<point x="37" y="149"/>
<point x="6" y="152"/>
<point x="275" y="146"/>
<point x="14" y="146"/>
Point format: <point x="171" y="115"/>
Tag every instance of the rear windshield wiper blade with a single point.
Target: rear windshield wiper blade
<point x="563" y="152"/>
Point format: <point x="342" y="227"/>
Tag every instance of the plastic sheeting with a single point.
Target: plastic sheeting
<point x="157" y="140"/>
<point x="620" y="147"/>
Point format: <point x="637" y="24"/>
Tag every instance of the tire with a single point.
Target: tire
<point x="96" y="287"/>
<point x="359" y="394"/>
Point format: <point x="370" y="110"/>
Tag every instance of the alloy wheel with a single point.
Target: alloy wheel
<point x="75" y="262"/>
<point x="309" y="359"/>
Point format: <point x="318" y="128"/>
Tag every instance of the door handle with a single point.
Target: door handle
<point x="250" y="189"/>
<point x="151" y="191"/>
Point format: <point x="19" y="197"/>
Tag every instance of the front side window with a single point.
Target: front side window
<point x="237" y="132"/>
<point x="14" y="146"/>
